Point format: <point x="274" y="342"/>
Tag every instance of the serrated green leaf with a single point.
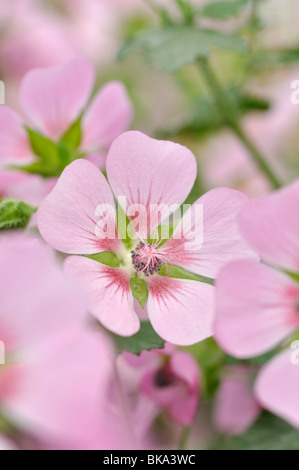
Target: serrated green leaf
<point x="106" y="257"/>
<point x="14" y="214"/>
<point x="224" y="9"/>
<point x="171" y="48"/>
<point x="268" y="433"/>
<point x="145" y="340"/>
<point x="180" y="273"/>
<point x="73" y="135"/>
<point x="139" y="290"/>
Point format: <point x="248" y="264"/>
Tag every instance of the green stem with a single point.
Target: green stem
<point x="229" y="114"/>
<point x="184" y="437"/>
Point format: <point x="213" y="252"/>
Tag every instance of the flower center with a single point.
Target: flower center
<point x="164" y="377"/>
<point x="147" y="258"/>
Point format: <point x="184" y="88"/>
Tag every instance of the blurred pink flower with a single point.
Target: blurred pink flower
<point x="35" y="34"/>
<point x="57" y="370"/>
<point x="235" y="407"/>
<point x="25" y="187"/>
<point x="53" y="98"/>
<point x="171" y="380"/>
<point x="276" y="387"/>
<point x="146" y="172"/>
<point x="257" y="304"/>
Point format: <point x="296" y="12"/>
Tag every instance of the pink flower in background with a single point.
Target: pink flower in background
<point x="277" y="386"/>
<point x="146" y="172"/>
<point x="35" y="34"/>
<point x="56" y="380"/>
<point x="53" y="98"/>
<point x="157" y="380"/>
<point x="257" y="304"/>
<point x="56" y="373"/>
<point x="172" y="382"/>
<point x="25" y="187"/>
<point x="235" y="407"/>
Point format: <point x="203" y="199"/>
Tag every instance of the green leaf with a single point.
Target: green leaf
<point x="268" y="433"/>
<point x="14" y="214"/>
<point x="180" y="273"/>
<point x="187" y="11"/>
<point x="211" y="360"/>
<point x="106" y="257"/>
<point x="65" y="154"/>
<point x="224" y="9"/>
<point x="206" y="117"/>
<point x="43" y="148"/>
<point x="277" y="58"/>
<point x="171" y="48"/>
<point x="73" y="135"/>
<point x="139" y="290"/>
<point x="52" y="157"/>
<point x="145" y="339"/>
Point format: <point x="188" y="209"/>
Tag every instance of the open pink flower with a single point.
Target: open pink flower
<point x="146" y="172"/>
<point x="53" y="98"/>
<point x="257" y="304"/>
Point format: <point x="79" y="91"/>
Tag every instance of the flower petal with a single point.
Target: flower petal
<point x="68" y="402"/>
<point x="181" y="311"/>
<point x="255" y="308"/>
<point x="271" y="225"/>
<point x="185" y="367"/>
<point x="37" y="300"/>
<point x="14" y="144"/>
<point x="67" y="217"/>
<point x="109" y="295"/>
<point x="148" y="171"/>
<point x="235" y="408"/>
<point x="205" y="245"/>
<point x="277" y="386"/>
<point x="53" y="97"/>
<point x="108" y="116"/>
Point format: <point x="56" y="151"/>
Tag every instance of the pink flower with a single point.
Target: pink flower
<point x="172" y="382"/>
<point x="257" y="304"/>
<point x="276" y="387"/>
<point x="146" y="172"/>
<point x="235" y="407"/>
<point x="54" y="380"/>
<point x="53" y="98"/>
